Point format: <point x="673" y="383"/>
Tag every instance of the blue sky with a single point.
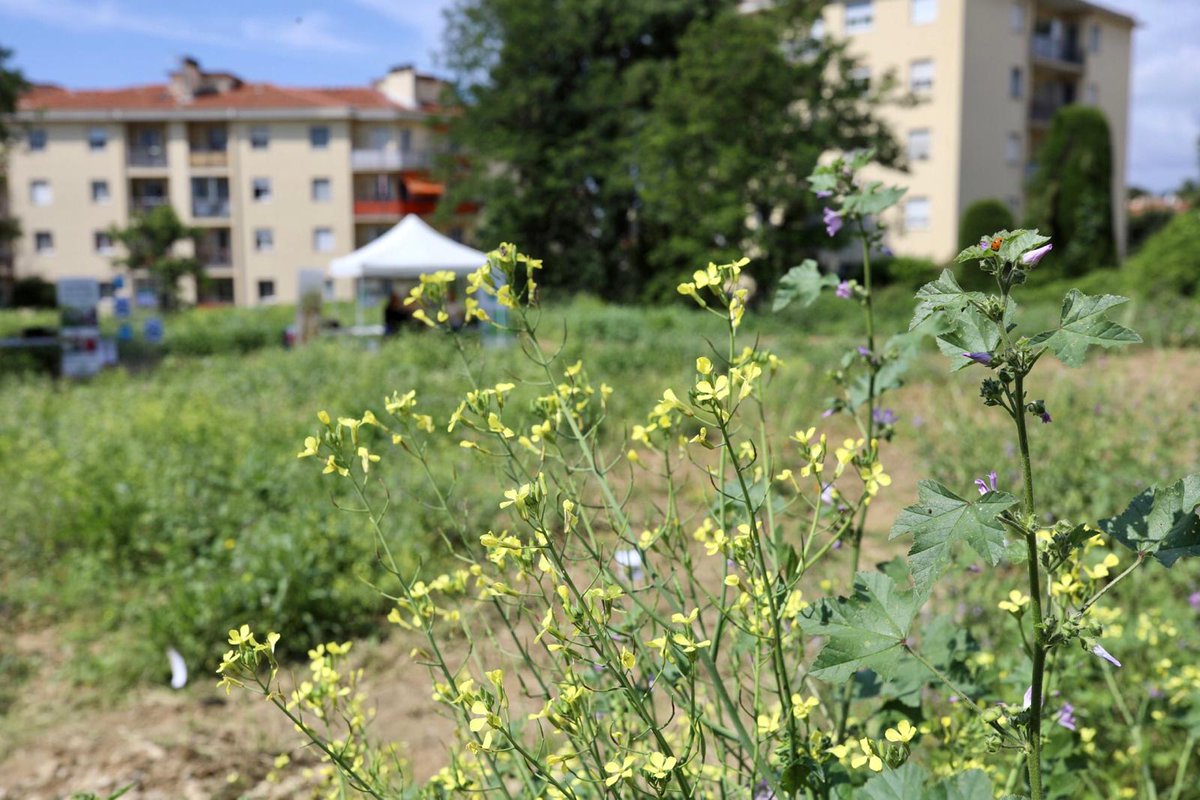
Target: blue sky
<point x="101" y="43"/>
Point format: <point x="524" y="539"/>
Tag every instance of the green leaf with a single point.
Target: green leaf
<point x="973" y="253"/>
<point x="1016" y="243"/>
<point x="873" y="199"/>
<point x="944" y="294"/>
<point x="972" y="333"/>
<point x="802" y="285"/>
<point x="1161" y="521"/>
<point x="866" y="631"/>
<point x="940" y="519"/>
<point x="1082" y="324"/>
<point x="908" y="782"/>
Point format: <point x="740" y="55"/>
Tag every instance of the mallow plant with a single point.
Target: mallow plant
<point x="681" y="609"/>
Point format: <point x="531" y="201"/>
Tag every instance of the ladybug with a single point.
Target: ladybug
<point x="996" y="243"/>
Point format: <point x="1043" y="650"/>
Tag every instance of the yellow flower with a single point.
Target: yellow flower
<point x="627" y="659"/>
<point x="867" y="757"/>
<point x="703" y="365"/>
<point x="311" y="444"/>
<point x="902" y="733"/>
<point x="1101" y="570"/>
<point x="331" y="465"/>
<point x="367" y="458"/>
<point x="659" y="766"/>
<point x="712" y="392"/>
<point x="617" y="772"/>
<point x="1015" y="603"/>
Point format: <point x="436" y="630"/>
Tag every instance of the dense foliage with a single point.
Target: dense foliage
<point x="981" y="218"/>
<point x="1071" y="195"/>
<point x="644" y="134"/>
<point x="150" y="242"/>
<point x="1169" y="262"/>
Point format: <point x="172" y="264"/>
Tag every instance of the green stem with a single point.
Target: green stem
<point x="1035" y="595"/>
<point x="1181" y="770"/>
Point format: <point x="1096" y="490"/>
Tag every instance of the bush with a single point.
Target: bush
<point x="1070" y="196"/>
<point x="34" y="293"/>
<point x="1169" y="262"/>
<point x="981" y="218"/>
<point x="906" y="271"/>
<point x="1143" y="226"/>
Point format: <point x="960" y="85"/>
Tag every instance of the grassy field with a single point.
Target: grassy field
<point x="157" y="509"/>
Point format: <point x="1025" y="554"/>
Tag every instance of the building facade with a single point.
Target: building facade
<point x="988" y="76"/>
<point x="278" y="180"/>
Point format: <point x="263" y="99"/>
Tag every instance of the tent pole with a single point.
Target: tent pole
<point x="358" y="305"/>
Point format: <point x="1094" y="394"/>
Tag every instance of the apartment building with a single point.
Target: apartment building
<point x="277" y="179"/>
<point x="989" y="75"/>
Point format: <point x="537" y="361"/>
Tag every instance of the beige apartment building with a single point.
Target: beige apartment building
<point x="989" y="75"/>
<point x="278" y="179"/>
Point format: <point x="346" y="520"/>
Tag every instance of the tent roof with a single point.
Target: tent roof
<point x="409" y="249"/>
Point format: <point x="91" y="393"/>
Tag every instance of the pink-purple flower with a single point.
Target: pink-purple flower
<point x="988" y="485"/>
<point x="979" y="358"/>
<point x="1066" y="716"/>
<point x="1032" y="258"/>
<point x="1107" y="656"/>
<point x="833" y="221"/>
<point x="844" y="290"/>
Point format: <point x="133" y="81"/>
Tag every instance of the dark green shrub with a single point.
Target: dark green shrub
<point x="33" y="292"/>
<point x="983" y="218"/>
<point x="907" y="271"/>
<point x="1169" y="261"/>
<point x="1070" y="196"/>
<point x="1143" y="226"/>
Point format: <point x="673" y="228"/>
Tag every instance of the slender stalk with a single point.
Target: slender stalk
<point x="1035" y="595"/>
<point x="1181" y="770"/>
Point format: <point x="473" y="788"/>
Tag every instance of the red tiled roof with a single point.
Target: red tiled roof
<point x="158" y="96"/>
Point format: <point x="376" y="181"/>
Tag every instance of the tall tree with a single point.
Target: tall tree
<point x="583" y="140"/>
<point x="149" y="243"/>
<point x="1070" y="196"/>
<point x="12" y="84"/>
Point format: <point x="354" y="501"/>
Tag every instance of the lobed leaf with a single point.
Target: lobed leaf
<point x="866" y="631"/>
<point x="802" y="285"/>
<point x="944" y="294"/>
<point x="940" y="519"/>
<point x="1164" y="522"/>
<point x="1083" y="324"/>
<point x="908" y="782"/>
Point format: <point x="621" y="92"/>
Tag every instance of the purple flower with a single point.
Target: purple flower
<point x="979" y="358"/>
<point x="827" y="413"/>
<point x="984" y="244"/>
<point x="988" y="485"/>
<point x="844" y="291"/>
<point x="833" y="221"/>
<point x="864" y="352"/>
<point x="1194" y="601"/>
<point x="1066" y="716"/>
<point x="824" y="193"/>
<point x="884" y="416"/>
<point x="1046" y="418"/>
<point x="1028" y="697"/>
<point x="1107" y="656"/>
<point x="1032" y="258"/>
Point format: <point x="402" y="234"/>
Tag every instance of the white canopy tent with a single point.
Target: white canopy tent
<point x="408" y="250"/>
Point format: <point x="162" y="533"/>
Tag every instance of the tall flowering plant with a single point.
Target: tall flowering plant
<point x="643" y="618"/>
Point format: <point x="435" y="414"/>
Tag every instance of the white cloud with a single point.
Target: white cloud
<point x="310" y="31"/>
<point x="424" y="20"/>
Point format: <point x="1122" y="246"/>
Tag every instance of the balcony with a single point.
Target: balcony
<point x="147" y="157"/>
<point x="389" y="159"/>
<point x="1057" y="53"/>
<point x="210" y="209"/>
<point x="145" y="204"/>
<point x="208" y="158"/>
<point x="394" y="207"/>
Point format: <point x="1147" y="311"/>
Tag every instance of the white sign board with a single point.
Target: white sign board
<point x="80" y="334"/>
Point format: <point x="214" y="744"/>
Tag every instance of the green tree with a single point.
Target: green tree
<point x="12" y="84"/>
<point x="745" y="111"/>
<point x="627" y="140"/>
<point x="1070" y="195"/>
<point x="982" y="218"/>
<point x="149" y="243"/>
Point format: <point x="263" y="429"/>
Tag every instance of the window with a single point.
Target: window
<point x="1017" y="17"/>
<point x="405" y="141"/>
<point x="264" y="240"/>
<point x="322" y="190"/>
<point x="1016" y="82"/>
<point x="266" y="290"/>
<point x="318" y="137"/>
<point x="916" y="214"/>
<point x="260" y="137"/>
<point x="1012" y="148"/>
<point x="43" y="242"/>
<point x="40" y="193"/>
<point x="260" y="189"/>
<point x="322" y="240"/>
<point x="859" y="15"/>
<point x="37" y="139"/>
<point x="919" y="144"/>
<point x="97" y="138"/>
<point x="1094" y="38"/>
<point x="923" y="12"/>
<point x="100" y="192"/>
<point x="860" y="77"/>
<point x="920" y="76"/>
<point x="1093" y="95"/>
<point x="103" y="243"/>
<point x="210" y="197"/>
